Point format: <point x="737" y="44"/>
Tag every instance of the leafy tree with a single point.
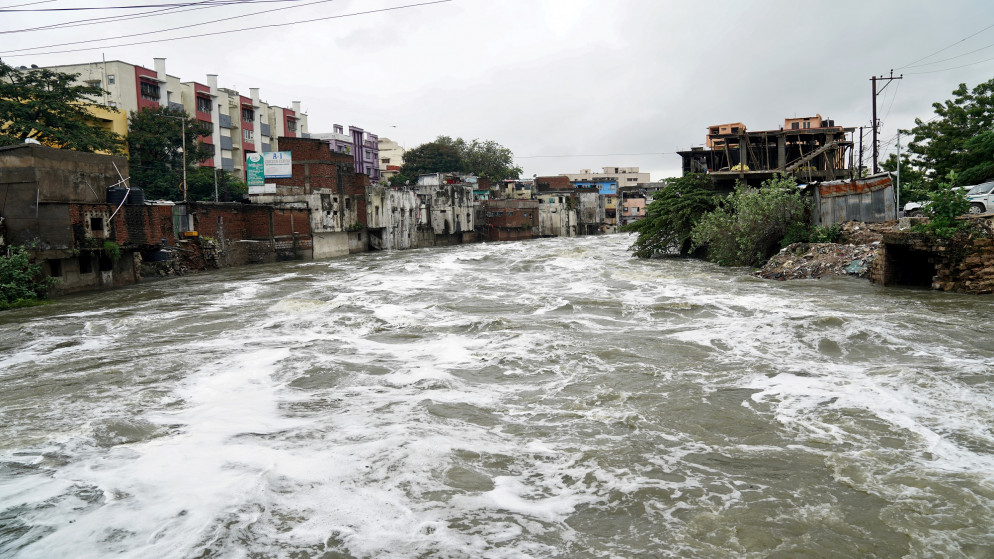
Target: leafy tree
<point x="957" y="137"/>
<point x="155" y="146"/>
<point x="20" y="281"/>
<point x="491" y="160"/>
<point x="670" y="218"/>
<point x="978" y="159"/>
<point x="46" y="106"/>
<point x="200" y="184"/>
<point x="945" y="205"/>
<point x="914" y="187"/>
<point x="750" y="225"/>
<point x="483" y="158"/>
<point x="433" y="157"/>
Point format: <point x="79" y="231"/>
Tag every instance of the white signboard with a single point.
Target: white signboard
<point x="278" y="164"/>
<point x="268" y="188"/>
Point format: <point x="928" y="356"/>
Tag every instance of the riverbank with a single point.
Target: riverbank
<point x="860" y="245"/>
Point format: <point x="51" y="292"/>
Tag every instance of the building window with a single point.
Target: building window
<point x="149" y="91"/>
<point x="97" y="224"/>
<point x="291" y="125"/>
<point x="203" y="104"/>
<point x="110" y="78"/>
<point x="92" y="83"/>
<point x="385" y="160"/>
<point x="248" y="115"/>
<point x="794" y="126"/>
<point x="807" y="124"/>
<point x="248" y="135"/>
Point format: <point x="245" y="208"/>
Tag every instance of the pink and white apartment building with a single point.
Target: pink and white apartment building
<point x="240" y="124"/>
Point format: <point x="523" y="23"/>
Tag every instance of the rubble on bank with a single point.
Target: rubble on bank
<point x="860" y="244"/>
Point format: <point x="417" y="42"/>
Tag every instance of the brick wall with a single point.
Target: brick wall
<point x="963" y="264"/>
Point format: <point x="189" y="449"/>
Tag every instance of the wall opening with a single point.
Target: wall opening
<point x="906" y="266"/>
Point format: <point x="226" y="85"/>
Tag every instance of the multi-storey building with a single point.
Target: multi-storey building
<point x="609" y="180"/>
<point x="240" y="125"/>
<point x="362" y="145"/>
<point x="391" y="158"/>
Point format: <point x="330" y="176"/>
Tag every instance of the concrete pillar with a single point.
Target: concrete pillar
<point x="160" y="73"/>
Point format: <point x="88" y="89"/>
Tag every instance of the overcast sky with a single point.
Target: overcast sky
<point x="565" y="84"/>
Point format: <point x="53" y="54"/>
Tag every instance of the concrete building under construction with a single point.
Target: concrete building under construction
<point x="810" y="148"/>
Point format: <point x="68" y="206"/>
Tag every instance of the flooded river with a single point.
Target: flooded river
<point x="551" y="398"/>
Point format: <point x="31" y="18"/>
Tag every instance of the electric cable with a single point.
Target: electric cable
<point x="227" y="32"/>
<point x="947" y="47"/>
<point x="176" y="28"/>
<point x="131" y="7"/>
<point x="206" y="4"/>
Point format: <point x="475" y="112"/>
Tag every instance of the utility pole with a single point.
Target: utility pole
<point x="860" y="168"/>
<point x="899" y="170"/>
<point x="873" y="80"/>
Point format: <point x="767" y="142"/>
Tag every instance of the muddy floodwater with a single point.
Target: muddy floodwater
<point x="550" y="398"/>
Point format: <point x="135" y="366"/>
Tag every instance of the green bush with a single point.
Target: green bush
<point x="20" y="279"/>
<point x="113" y="250"/>
<point x="821" y="234"/>
<point x="670" y="218"/>
<point x="751" y="224"/>
<point x="945" y="205"/>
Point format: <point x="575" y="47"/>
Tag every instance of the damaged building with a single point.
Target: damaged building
<point x="810" y="148"/>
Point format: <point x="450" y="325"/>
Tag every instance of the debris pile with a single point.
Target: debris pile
<point x="860" y="246"/>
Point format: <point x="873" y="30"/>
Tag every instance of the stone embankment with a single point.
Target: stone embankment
<point x="889" y="255"/>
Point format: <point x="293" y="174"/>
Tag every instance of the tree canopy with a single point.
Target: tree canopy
<point x="752" y="224"/>
<point x="671" y="216"/>
<point x="201" y="183"/>
<point x="959" y="138"/>
<point x="45" y="105"/>
<point x="155" y="151"/>
<point x="483" y="158"/>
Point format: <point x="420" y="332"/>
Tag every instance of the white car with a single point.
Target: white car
<point x="980" y="197"/>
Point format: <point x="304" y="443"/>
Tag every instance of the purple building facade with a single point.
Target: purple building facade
<point x="361" y="145"/>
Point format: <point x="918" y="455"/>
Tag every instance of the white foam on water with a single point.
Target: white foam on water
<point x="366" y="411"/>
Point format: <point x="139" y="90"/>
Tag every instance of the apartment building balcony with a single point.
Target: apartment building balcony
<point x="265" y="146"/>
<point x="227" y="164"/>
<point x="226" y="142"/>
<point x="264" y="129"/>
<point x="224" y="120"/>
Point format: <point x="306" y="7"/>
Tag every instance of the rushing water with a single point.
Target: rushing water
<point x="552" y="398"/>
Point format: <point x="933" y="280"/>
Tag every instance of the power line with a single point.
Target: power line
<point x="132" y="7"/>
<point x="595" y="155"/>
<point x="206" y="4"/>
<point x="27" y="4"/>
<point x="268" y="26"/>
<point x="174" y="28"/>
<point x="948" y="47"/>
<point x="951" y="57"/>
<point x="953" y="68"/>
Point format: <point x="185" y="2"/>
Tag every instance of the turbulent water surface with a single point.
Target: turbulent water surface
<point x="552" y="398"/>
